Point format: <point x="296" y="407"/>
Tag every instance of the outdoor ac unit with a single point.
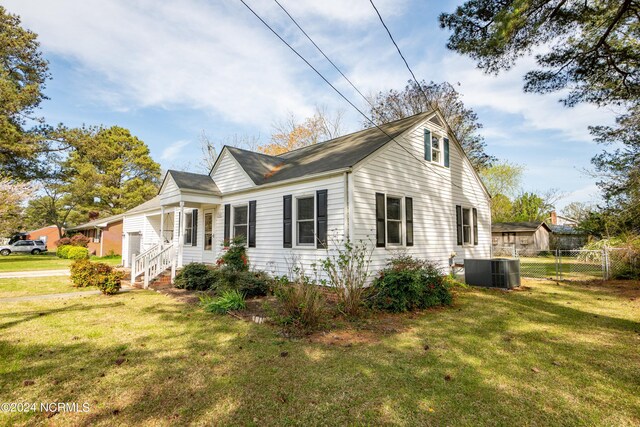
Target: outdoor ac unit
<point x="493" y="273"/>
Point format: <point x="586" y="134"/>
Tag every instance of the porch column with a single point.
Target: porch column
<point x="161" y="225"/>
<point x="181" y="235"/>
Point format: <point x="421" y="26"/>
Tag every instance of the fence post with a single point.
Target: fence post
<point x="607" y="266"/>
<point x="557" y="265"/>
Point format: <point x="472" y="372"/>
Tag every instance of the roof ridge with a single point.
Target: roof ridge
<point x="358" y="131"/>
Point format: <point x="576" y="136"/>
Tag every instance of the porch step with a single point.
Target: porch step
<point x="163" y="281"/>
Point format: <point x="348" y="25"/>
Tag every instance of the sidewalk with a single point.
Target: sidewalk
<point x="33" y="273"/>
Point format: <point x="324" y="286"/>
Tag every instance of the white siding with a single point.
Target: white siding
<point x="435" y="191"/>
<point x="269" y="255"/>
<point x="229" y="176"/>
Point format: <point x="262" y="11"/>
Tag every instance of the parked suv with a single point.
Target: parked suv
<point x="24" y="246"/>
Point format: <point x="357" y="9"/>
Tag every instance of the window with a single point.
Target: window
<point x="508" y="238"/>
<point x="240" y="221"/>
<point x="466" y="226"/>
<point x="495" y="240"/>
<point x="23" y="243"/>
<point x="305" y="221"/>
<point x="436" y="155"/>
<point x="208" y="231"/>
<point x="394" y="220"/>
<point x="188" y="227"/>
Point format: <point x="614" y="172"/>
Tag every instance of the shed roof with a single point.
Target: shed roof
<point x="338" y="153"/>
<point x="512" y="227"/>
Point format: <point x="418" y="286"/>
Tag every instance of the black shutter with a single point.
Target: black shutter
<point x="475" y="226"/>
<point x="194" y="228"/>
<point x="252" y="224"/>
<point x="321" y="218"/>
<point x="286" y="223"/>
<point x="446" y="152"/>
<point x="459" y="224"/>
<point x="408" y="207"/>
<point x="227" y="224"/>
<point x="380" y="220"/>
<point x="427" y="145"/>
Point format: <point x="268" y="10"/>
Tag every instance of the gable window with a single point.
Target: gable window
<point x="394" y="220"/>
<point x="240" y="221"/>
<point x="305" y="221"/>
<point x="436" y="154"/>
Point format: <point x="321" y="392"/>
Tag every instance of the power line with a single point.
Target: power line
<point x="400" y="52"/>
<point x="391" y="138"/>
<point x="323" y="54"/>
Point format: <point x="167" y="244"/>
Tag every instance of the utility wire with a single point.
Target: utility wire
<point x="401" y="55"/>
<point x="323" y="54"/>
<point x="391" y="138"/>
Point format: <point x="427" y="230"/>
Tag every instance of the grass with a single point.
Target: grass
<point x="31" y="286"/>
<point x="550" y="354"/>
<point x="570" y="268"/>
<point x="47" y="261"/>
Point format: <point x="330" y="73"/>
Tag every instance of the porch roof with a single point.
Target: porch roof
<point x="194" y="181"/>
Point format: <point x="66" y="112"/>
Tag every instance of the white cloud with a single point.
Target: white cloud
<point x="588" y="193"/>
<point x="173" y="151"/>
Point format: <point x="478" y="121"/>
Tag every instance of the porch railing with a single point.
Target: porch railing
<point x="154" y="262"/>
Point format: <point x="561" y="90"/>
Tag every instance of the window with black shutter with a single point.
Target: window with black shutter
<point x="321" y="218"/>
<point x="475" y="226"/>
<point x="287" y="239"/>
<point x="459" y="224"/>
<point x="380" y="220"/>
<point x="252" y="224"/>
<point x="227" y="223"/>
<point x="409" y="219"/>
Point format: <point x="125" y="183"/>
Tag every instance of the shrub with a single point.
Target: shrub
<point x="80" y="240"/>
<point x="63" y="242"/>
<point x="110" y="283"/>
<point x="78" y="252"/>
<point x="63" y="251"/>
<point x="195" y="277"/>
<point x="348" y="273"/>
<point x="409" y="283"/>
<point x="235" y="257"/>
<point x="229" y="300"/>
<point x="82" y="273"/>
<point x="301" y="304"/>
<point x="103" y="276"/>
<point x="249" y="283"/>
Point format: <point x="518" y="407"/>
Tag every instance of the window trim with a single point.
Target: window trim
<point x="402" y="221"/>
<point x="470" y="225"/>
<point x="439" y="150"/>
<point x="188" y="231"/>
<point x="233" y="221"/>
<point x="295" y="221"/>
<point x="204" y="226"/>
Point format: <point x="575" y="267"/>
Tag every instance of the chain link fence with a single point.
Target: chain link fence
<point x="574" y="264"/>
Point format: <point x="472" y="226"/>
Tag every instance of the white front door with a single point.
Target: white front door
<point x="208" y="255"/>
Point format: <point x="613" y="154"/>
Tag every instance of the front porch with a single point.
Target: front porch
<point x="180" y="232"/>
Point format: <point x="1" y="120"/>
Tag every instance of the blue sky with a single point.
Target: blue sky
<point x="171" y="70"/>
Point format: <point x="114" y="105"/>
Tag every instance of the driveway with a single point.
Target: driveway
<point x="34" y="273"/>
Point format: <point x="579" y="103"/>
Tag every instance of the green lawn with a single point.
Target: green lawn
<point x="546" y="355"/>
<point x="20" y="287"/>
<point x="44" y="262"/>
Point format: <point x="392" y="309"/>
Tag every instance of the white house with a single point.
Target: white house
<point x="407" y="185"/>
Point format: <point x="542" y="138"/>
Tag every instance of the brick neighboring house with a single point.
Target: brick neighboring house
<point x="105" y="235"/>
<point x="49" y="235"/>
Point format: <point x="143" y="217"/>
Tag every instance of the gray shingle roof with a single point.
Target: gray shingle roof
<point x="511" y="227"/>
<point x="194" y="181"/>
<point x="97" y="222"/>
<point x="338" y="153"/>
